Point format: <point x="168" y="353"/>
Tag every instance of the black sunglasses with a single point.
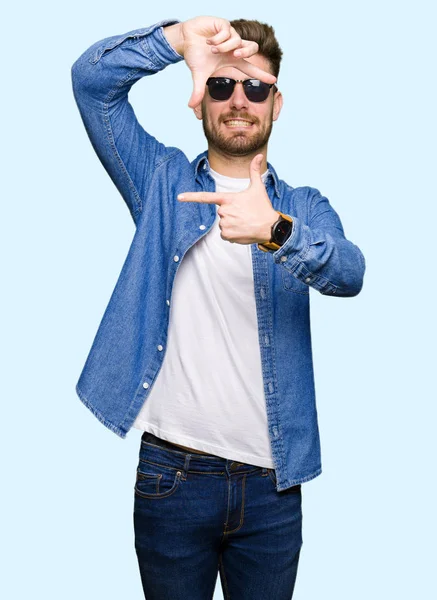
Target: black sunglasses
<point x="221" y="88"/>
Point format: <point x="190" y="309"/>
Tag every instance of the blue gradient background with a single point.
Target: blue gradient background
<point x="359" y="124"/>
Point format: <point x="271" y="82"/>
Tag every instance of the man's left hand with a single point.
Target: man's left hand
<point x="245" y="217"/>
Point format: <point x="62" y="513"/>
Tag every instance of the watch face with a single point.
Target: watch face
<point x="282" y="231"/>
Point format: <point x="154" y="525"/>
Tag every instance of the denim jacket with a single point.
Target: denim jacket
<point x="129" y="346"/>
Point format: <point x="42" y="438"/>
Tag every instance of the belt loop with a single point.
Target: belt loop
<point x="264" y="472"/>
<point x="185" y="467"/>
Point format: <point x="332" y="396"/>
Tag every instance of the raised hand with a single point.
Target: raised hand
<point x="210" y="43"/>
<point x="245" y="217"/>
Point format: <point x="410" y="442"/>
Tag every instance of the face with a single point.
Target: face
<point x="232" y="139"/>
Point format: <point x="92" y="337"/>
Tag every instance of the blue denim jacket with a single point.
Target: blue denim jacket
<point x="130" y="343"/>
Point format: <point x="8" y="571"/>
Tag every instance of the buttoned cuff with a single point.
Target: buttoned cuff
<point x="163" y="51"/>
<point x="294" y="253"/>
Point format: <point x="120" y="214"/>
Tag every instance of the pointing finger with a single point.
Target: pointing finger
<point x="254" y="71"/>
<point x="206" y="197"/>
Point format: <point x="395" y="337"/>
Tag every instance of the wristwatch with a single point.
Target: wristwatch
<point x="281" y="231"/>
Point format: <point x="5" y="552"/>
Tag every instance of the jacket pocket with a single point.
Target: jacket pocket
<point x="292" y="284"/>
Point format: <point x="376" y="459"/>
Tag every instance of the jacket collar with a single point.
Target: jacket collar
<point x="201" y="163"/>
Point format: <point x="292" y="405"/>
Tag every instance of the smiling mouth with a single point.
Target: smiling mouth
<point x="238" y="124"/>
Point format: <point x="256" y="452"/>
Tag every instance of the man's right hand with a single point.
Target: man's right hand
<point x="208" y="44"/>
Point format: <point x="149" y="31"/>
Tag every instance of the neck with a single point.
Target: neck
<point x="235" y="166"/>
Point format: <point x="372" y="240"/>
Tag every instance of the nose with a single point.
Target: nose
<point x="239" y="99"/>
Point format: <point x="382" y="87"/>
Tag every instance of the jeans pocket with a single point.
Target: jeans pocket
<point x="156" y="481"/>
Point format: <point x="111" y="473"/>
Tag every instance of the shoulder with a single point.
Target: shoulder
<point x="173" y="156"/>
<point x="298" y="200"/>
<point x="173" y="171"/>
<point x="300" y="195"/>
<point x="304" y="193"/>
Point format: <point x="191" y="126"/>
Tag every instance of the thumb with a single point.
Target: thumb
<point x="255" y="169"/>
<point x="198" y="92"/>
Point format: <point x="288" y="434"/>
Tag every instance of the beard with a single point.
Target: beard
<point x="238" y="143"/>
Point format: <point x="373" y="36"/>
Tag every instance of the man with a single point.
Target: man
<point x="214" y="365"/>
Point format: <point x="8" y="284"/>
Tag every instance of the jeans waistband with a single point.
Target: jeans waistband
<point x="153" y="439"/>
<point x="158" y="449"/>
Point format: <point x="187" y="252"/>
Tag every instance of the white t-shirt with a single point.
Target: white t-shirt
<point x="209" y="392"/>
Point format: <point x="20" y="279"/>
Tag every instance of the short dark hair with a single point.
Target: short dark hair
<point x="264" y="35"/>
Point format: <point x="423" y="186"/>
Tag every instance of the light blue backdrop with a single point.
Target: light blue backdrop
<point x="358" y="123"/>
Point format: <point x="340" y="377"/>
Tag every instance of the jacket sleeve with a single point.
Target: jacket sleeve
<point x="101" y="78"/>
<point x="319" y="254"/>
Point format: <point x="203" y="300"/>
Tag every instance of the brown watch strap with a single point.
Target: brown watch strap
<point x="269" y="246"/>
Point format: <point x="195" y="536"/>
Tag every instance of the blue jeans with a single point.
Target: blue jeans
<point x="196" y="515"/>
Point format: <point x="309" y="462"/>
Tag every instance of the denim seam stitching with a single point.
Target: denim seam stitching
<point x="242" y="510"/>
<point x="107" y="121"/>
<point x="222" y="568"/>
<point x="310" y="204"/>
<point x="306" y="478"/>
<point x="275" y="395"/>
<point x="146" y="46"/>
<point x="290" y="289"/>
<point x="149" y="462"/>
<point x="158" y="496"/>
<point x="99" y="415"/>
<point x="165" y="158"/>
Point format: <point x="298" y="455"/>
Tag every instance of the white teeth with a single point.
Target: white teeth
<point x="239" y="123"/>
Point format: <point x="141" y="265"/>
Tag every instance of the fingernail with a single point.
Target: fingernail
<point x="214" y="49"/>
<point x="237" y="53"/>
<point x="181" y="197"/>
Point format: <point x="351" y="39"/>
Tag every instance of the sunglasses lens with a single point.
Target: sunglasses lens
<point x="256" y="90"/>
<point x="220" y="88"/>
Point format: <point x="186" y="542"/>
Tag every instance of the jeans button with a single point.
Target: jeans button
<point x="235" y="465"/>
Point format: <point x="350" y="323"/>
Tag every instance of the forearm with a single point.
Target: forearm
<point x="173" y="33"/>
<point x="319" y="254"/>
<point x="111" y="66"/>
<point x="102" y="77"/>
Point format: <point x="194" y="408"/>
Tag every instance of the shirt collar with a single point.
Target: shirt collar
<point x="201" y="163"/>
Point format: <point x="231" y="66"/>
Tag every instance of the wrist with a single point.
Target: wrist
<point x="174" y="36"/>
<point x="281" y="230"/>
<point x="266" y="234"/>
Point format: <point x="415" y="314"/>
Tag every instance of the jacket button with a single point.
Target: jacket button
<point x="145" y="385"/>
<point x="168" y="302"/>
<point x="283" y="258"/>
<point x="308" y="279"/>
<point x="202" y="227"/>
<point x="176" y="258"/>
<point x="160" y="347"/>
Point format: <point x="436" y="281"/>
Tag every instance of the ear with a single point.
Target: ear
<point x="198" y="111"/>
<point x="278" y="102"/>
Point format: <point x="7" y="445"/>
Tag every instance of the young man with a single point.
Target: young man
<point x="214" y="365"/>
